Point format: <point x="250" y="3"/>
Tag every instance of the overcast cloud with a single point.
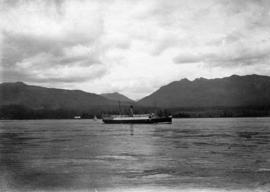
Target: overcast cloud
<point x="131" y="46"/>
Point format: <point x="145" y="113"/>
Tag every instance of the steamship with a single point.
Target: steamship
<point x="136" y="118"/>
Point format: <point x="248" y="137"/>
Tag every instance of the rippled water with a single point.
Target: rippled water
<point x="86" y="155"/>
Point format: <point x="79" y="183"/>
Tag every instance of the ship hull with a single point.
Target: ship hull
<point x="138" y="121"/>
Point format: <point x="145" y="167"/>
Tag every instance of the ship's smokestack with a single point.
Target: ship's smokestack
<point x="131" y="110"/>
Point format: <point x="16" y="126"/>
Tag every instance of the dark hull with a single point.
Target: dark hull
<point x="139" y="121"/>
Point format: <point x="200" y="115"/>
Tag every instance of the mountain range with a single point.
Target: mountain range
<point x="36" y="97"/>
<point x="233" y="91"/>
<point x="117" y="97"/>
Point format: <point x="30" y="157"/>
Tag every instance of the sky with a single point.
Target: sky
<point x="131" y="46"/>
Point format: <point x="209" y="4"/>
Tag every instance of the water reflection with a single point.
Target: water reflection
<point x="131" y="129"/>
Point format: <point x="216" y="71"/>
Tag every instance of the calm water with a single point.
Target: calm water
<point x="86" y="155"/>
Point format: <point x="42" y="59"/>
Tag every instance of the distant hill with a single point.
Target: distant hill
<point x="234" y="96"/>
<point x="117" y="97"/>
<point x="35" y="97"/>
<point x="233" y="91"/>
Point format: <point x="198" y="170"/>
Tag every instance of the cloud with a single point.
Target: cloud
<point x="12" y="3"/>
<point x="19" y="46"/>
<point x="250" y="57"/>
<point x="243" y="57"/>
<point x="233" y="53"/>
<point x="55" y="75"/>
<point x="132" y="46"/>
<point x="31" y="59"/>
<point x="188" y="58"/>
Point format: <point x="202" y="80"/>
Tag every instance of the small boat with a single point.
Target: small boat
<point x="136" y="119"/>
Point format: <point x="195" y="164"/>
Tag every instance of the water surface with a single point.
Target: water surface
<point x="190" y="154"/>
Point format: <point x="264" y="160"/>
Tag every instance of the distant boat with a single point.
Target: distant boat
<point x="95" y="118"/>
<point x="77" y="117"/>
<point x="144" y="119"/>
<point x="136" y="119"/>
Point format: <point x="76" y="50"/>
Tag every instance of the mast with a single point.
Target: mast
<point x="131" y="110"/>
<point x="119" y="106"/>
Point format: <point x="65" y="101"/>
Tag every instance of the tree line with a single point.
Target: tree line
<point x="23" y="112"/>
